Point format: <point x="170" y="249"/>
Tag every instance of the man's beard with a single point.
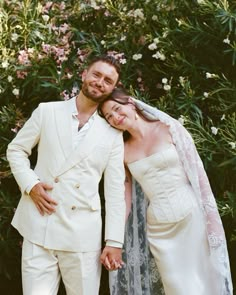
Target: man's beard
<point x="89" y="95"/>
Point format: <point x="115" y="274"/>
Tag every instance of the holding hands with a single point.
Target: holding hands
<point x="111" y="258"/>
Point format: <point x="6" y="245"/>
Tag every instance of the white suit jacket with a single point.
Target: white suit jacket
<point x="75" y="174"/>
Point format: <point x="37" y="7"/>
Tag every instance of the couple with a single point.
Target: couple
<point x="59" y="214"/>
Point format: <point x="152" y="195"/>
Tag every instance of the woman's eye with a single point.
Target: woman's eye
<point x="117" y="109"/>
<point x="108" y="117"/>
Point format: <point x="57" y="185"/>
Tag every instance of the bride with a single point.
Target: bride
<point x="177" y="220"/>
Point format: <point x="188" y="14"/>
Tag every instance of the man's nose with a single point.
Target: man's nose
<point x="99" y="81"/>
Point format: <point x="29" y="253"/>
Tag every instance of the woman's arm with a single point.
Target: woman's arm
<point x="128" y="192"/>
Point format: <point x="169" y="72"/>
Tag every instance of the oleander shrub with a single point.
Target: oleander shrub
<point x="179" y="56"/>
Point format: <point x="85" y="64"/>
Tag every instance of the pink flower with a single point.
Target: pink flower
<point x="63" y="28"/>
<point x="23" y="58"/>
<point x="21" y="74"/>
<point x="62" y="6"/>
<point x="15" y="130"/>
<point x="46" y="48"/>
<point x="47" y="7"/>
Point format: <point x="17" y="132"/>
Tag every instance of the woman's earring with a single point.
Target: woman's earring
<point x="136" y="116"/>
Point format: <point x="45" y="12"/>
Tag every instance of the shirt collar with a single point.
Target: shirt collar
<point x="74" y="110"/>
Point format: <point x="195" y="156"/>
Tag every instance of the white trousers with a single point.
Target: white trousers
<point x="43" y="268"/>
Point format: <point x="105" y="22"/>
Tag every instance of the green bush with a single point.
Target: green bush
<point x="177" y="55"/>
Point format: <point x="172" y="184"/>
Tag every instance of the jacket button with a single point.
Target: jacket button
<point x="77" y="185"/>
<point x="56" y="180"/>
<point x="73" y="207"/>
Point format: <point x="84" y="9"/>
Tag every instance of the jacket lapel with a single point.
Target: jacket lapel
<point x="92" y="138"/>
<point x="63" y="117"/>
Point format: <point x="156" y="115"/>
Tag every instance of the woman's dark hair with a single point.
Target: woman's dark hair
<point x="121" y="96"/>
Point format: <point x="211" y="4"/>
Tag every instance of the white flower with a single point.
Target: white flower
<point x="152" y="46"/>
<point x="5" y="64"/>
<point x="159" y="55"/>
<point x="156" y="40"/>
<point x="16" y="91"/>
<point x="181" y="120"/>
<point x="137" y="56"/>
<point x="205" y="94"/>
<point x="123" y="38"/>
<point x="232" y="144"/>
<point x="164" y="80"/>
<point x="31" y="50"/>
<point x="9" y="79"/>
<point x="214" y="130"/>
<point x="139" y="13"/>
<point x="200" y="1"/>
<point x="226" y="40"/>
<point x="45" y="18"/>
<point x="154" y="17"/>
<point x="94" y="5"/>
<point x="123" y="61"/>
<point x="14" y="37"/>
<point x="223" y="117"/>
<point x="167" y="87"/>
<point x="209" y="75"/>
<point x="103" y="42"/>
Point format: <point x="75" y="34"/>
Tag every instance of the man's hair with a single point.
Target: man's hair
<point x="107" y="59"/>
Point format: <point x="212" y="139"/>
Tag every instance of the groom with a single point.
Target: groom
<point x="59" y="213"/>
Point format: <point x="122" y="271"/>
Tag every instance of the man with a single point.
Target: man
<point x="59" y="214"/>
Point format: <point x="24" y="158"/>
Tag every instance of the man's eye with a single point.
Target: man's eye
<point x="108" y="82"/>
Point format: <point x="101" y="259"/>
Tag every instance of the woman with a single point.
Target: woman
<point x="184" y="230"/>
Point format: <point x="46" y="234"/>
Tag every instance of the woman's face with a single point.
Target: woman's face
<point x="118" y="115"/>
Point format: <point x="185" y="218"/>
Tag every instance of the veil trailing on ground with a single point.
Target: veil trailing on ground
<point x="140" y="275"/>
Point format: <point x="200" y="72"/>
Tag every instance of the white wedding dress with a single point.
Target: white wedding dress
<point x="175" y="226"/>
<point x="177" y="219"/>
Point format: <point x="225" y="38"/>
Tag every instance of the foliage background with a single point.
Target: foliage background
<point x="177" y="55"/>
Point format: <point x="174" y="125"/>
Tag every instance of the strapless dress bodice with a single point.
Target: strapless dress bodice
<point x="159" y="173"/>
<point x="165" y="184"/>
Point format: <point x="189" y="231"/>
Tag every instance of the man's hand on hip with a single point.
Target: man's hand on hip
<point x="42" y="200"/>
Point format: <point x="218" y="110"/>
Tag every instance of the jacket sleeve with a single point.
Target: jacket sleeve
<point x="19" y="150"/>
<point x="114" y="189"/>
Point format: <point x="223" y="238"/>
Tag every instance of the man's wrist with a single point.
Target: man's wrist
<point x="114" y="244"/>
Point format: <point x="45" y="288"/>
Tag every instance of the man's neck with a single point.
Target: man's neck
<point x="85" y="105"/>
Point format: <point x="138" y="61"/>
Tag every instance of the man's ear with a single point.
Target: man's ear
<point x="130" y="99"/>
<point x="84" y="75"/>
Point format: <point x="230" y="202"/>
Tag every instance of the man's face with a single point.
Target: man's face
<point x="98" y="81"/>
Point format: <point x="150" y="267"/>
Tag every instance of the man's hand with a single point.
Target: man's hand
<point x="111" y="258"/>
<point x="43" y="202"/>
